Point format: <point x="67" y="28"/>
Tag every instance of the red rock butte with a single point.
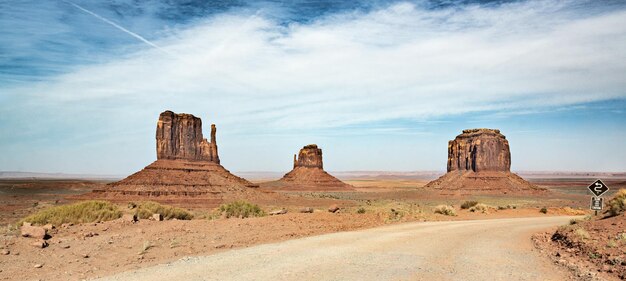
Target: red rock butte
<point x="308" y="174"/>
<point x="187" y="166"/>
<point x="480" y="160"/>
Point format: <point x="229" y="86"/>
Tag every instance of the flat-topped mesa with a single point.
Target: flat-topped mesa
<point x="479" y="150"/>
<point x="309" y="156"/>
<point x="179" y="136"/>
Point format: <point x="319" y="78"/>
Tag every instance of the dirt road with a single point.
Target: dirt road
<point x="496" y="249"/>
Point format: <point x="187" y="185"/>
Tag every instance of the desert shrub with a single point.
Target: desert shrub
<point x="617" y="204"/>
<point x="145" y="210"/>
<point x="611" y="244"/>
<point x="82" y="212"/>
<point x="395" y="215"/>
<point x="479" y="208"/>
<point x="544" y="210"/>
<point x="582" y="234"/>
<point x="445" y="210"/>
<point x="360" y="211"/>
<point x="241" y="209"/>
<point x="468" y="204"/>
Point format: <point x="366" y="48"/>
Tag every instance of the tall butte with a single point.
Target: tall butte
<point x="480" y="160"/>
<point x="308" y="174"/>
<point x="187" y="166"/>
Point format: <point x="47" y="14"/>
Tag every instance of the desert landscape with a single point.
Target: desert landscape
<point x="313" y="140"/>
<point x="187" y="205"/>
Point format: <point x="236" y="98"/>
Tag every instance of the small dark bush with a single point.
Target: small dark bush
<point x="544" y="210"/>
<point x="468" y="204"/>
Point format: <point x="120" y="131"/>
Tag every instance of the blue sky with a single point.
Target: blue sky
<point x="379" y="85"/>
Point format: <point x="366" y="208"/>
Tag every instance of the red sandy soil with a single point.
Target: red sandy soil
<point x="591" y="249"/>
<point x="115" y="246"/>
<point x="100" y="249"/>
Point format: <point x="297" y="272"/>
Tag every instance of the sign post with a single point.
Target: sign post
<point x="598" y="188"/>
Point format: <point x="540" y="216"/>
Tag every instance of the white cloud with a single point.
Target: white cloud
<point x="250" y="74"/>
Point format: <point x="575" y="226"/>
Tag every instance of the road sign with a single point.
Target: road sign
<point x="598" y="188"/>
<point x="596" y="203"/>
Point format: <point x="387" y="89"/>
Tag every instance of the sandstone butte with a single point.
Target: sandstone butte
<point x="308" y="174"/>
<point x="480" y="160"/>
<point x="187" y="166"/>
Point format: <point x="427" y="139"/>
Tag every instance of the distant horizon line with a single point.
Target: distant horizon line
<point x="68" y="175"/>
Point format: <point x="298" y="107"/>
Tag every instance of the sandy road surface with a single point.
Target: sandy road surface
<point x="497" y="249"/>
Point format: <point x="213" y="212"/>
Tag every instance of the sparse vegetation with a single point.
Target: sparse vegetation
<point x="145" y="210"/>
<point x="482" y="208"/>
<point x="361" y="210"/>
<point x="145" y="247"/>
<point x="621" y="237"/>
<point x="174" y="243"/>
<point x="582" y="234"/>
<point x="395" y="215"/>
<point x="594" y="256"/>
<point x="241" y="209"/>
<point x="445" y="210"/>
<point x="82" y="212"/>
<point x="611" y="243"/>
<point x="544" y="210"/>
<point x="468" y="204"/>
<point x="617" y="204"/>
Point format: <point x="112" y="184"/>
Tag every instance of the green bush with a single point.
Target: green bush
<point x="445" y="210"/>
<point x="360" y="211"/>
<point x="145" y="210"/>
<point x="468" y="204"/>
<point x="82" y="212"/>
<point x="544" y="210"/>
<point x="241" y="209"/>
<point x="617" y="204"/>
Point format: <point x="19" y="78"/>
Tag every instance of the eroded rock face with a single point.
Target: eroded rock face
<point x="187" y="170"/>
<point x="479" y="150"/>
<point x="179" y="136"/>
<point x="309" y="156"/>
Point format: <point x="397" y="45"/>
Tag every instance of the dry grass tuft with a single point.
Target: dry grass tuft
<point x="445" y="210"/>
<point x="241" y="209"/>
<point x="482" y="208"/>
<point x="582" y="234"/>
<point x="82" y="212"/>
<point x="146" y="209"/>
